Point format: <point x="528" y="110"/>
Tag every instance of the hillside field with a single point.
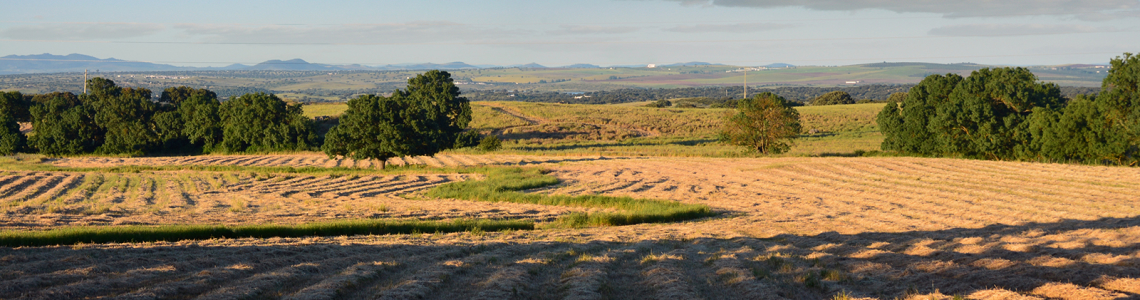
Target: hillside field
<point x="575" y="129"/>
<point x="831" y="219"/>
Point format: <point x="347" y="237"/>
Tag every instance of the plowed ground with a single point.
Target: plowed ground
<point x="790" y="228"/>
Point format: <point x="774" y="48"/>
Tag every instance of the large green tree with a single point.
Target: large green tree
<point x="264" y="122"/>
<point x="64" y="126"/>
<point x="986" y="114"/>
<point x="1100" y="129"/>
<point x="766" y="122"/>
<point x="11" y="106"/>
<point x="422" y="120"/>
<point x="905" y="126"/>
<point x="125" y="114"/>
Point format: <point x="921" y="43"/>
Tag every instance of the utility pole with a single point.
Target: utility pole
<point x="745" y="83"/>
<point x="84" y="81"/>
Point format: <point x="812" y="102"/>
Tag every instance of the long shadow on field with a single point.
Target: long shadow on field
<point x="1071" y="259"/>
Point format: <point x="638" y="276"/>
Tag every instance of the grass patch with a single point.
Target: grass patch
<point x="171" y="233"/>
<point x="506" y="184"/>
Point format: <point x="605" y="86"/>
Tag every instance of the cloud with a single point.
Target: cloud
<point x="578" y="29"/>
<point x="1087" y="10"/>
<point x="731" y="28"/>
<point x="81" y="31"/>
<point x="1013" y="29"/>
<point x="395" y="33"/>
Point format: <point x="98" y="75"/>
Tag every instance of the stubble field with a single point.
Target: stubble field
<point x="787" y="228"/>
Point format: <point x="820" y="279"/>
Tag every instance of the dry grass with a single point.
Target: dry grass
<point x="791" y="228"/>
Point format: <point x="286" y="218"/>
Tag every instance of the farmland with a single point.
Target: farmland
<point x="793" y="227"/>
<point x="567" y="129"/>
<point x="821" y="221"/>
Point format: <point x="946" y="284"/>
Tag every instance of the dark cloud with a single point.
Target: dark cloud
<point x="731" y="28"/>
<point x="1087" y="10"/>
<point x="1013" y="29"/>
<point x="81" y="31"/>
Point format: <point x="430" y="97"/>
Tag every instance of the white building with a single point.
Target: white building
<point x="651" y="66"/>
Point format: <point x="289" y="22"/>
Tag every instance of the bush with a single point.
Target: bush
<point x="467" y="139"/>
<point x="833" y="98"/>
<point x="490" y="143"/>
<point x="660" y="103"/>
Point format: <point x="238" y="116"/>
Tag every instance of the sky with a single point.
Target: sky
<point x="555" y="33"/>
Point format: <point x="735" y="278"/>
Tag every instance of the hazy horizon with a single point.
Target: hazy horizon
<point x="599" y="32"/>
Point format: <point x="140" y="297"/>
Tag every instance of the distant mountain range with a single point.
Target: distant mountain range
<point x="48" y="63"/>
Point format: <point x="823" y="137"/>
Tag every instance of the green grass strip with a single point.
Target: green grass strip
<point x="506" y="184"/>
<point x="171" y="233"/>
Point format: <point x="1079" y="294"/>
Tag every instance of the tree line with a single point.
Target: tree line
<point x="423" y="119"/>
<point x="1006" y="114"/>
<point x="126" y="121"/>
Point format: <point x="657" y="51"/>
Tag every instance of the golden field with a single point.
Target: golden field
<point x="817" y="223"/>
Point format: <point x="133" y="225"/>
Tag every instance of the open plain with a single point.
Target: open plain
<point x="786" y="228"/>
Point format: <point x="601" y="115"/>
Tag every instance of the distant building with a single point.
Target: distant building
<point x="651" y="66"/>
<point x="855" y="82"/>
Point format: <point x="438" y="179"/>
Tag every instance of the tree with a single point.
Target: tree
<point x="765" y="122"/>
<point x="986" y="113"/>
<point x="15" y="105"/>
<point x="424" y="119"/>
<point x="11" y="139"/>
<point x="833" y="98"/>
<point x="264" y="122"/>
<point x="897" y="97"/>
<point x="175" y="95"/>
<point x="201" y="123"/>
<point x="906" y="127"/>
<point x="64" y="126"/>
<point x="125" y="116"/>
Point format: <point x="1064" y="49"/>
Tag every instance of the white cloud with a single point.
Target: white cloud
<point x="1087" y="10"/>
<point x="731" y="28"/>
<point x="81" y="31"/>
<point x="1013" y="29"/>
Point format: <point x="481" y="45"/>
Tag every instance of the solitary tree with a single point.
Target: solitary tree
<point x="765" y="122"/>
<point x="422" y="120"/>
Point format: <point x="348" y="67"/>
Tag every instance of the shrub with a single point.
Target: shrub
<point x="467" y="139"/>
<point x="833" y="98"/>
<point x="490" y="143"/>
<point x="660" y="103"/>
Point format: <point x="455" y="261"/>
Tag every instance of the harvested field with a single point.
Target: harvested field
<point x="319" y="160"/>
<point x="790" y="228"/>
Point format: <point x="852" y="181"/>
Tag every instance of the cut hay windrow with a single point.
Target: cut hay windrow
<point x="172" y="233"/>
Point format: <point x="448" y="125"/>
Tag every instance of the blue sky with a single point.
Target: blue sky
<point x="554" y="33"/>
